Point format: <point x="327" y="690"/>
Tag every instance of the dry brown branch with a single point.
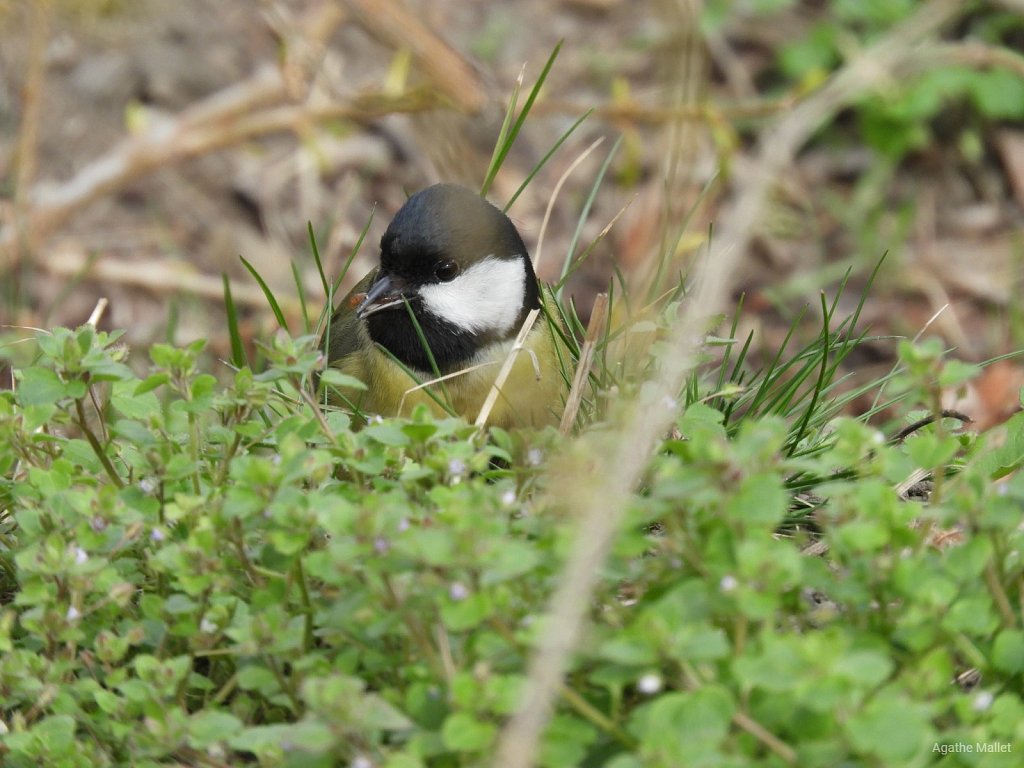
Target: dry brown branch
<point x="392" y="24"/>
<point x="972" y="54"/>
<point x="167" y="276"/>
<point x="613" y="460"/>
<point x="216" y="123"/>
<point x="223" y="119"/>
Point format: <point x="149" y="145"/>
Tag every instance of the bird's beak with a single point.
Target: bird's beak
<point x="386" y="292"/>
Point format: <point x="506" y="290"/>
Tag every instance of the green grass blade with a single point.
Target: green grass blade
<point x="670" y="246"/>
<point x="430" y="357"/>
<point x="238" y="358"/>
<point x="505" y="145"/>
<point x="547" y="156"/>
<point x="724" y="365"/>
<point x="355" y="249"/>
<point x="771" y="373"/>
<point x="816" y="391"/>
<point x="330" y="292"/>
<point x="560" y="285"/>
<point x="173" y="316"/>
<point x="300" y="291"/>
<point x="274" y="306"/>
<point x="502" y="142"/>
<point x="325" y="340"/>
<point x="446" y="407"/>
<point x="316" y="256"/>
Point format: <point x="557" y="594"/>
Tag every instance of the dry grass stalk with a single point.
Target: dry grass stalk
<point x="439" y="380"/>
<point x="506" y="369"/>
<point x="97" y="312"/>
<point x="613" y="460"/>
<point x="572" y="406"/>
<point x="539" y="250"/>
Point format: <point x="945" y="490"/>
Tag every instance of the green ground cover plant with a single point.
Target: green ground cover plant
<point x="206" y="574"/>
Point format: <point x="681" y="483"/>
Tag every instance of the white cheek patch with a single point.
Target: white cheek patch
<point x="488" y="296"/>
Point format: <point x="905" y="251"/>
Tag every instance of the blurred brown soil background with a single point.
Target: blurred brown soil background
<point x="145" y="145"/>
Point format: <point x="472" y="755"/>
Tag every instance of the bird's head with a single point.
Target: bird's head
<point x="464" y="271"/>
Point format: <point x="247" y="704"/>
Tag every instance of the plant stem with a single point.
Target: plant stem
<point x="96" y="447"/>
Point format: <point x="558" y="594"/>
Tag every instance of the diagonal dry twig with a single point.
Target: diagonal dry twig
<point x="613" y="460"/>
<point x="390" y="22"/>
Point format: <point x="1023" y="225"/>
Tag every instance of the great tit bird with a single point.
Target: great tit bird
<point x="458" y="265"/>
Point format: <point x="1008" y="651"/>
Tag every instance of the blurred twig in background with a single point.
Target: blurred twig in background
<point x="28" y="135"/>
<point x="272" y="100"/>
<point x="391" y="23"/>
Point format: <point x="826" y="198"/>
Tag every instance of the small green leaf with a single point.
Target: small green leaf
<point x="866" y="669"/>
<point x="152" y="382"/>
<point x="892" y="728"/>
<point x="760" y="500"/>
<point x="420" y="432"/>
<point x="685" y="728"/>
<point x="1008" y="651"/>
<point x="460" y="615"/>
<point x="376" y="713"/>
<point x="462" y="732"/>
<point x="565" y="742"/>
<point x="41" y="386"/>
<point x="303" y="736"/>
<point x="387" y="433"/>
<point x="208" y="727"/>
<point x="335" y="378"/>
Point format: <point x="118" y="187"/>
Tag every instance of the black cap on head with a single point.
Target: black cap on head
<point x="439" y="233"/>
<point x="446" y="221"/>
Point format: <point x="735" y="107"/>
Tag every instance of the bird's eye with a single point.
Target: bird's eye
<point x="446" y="271"/>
